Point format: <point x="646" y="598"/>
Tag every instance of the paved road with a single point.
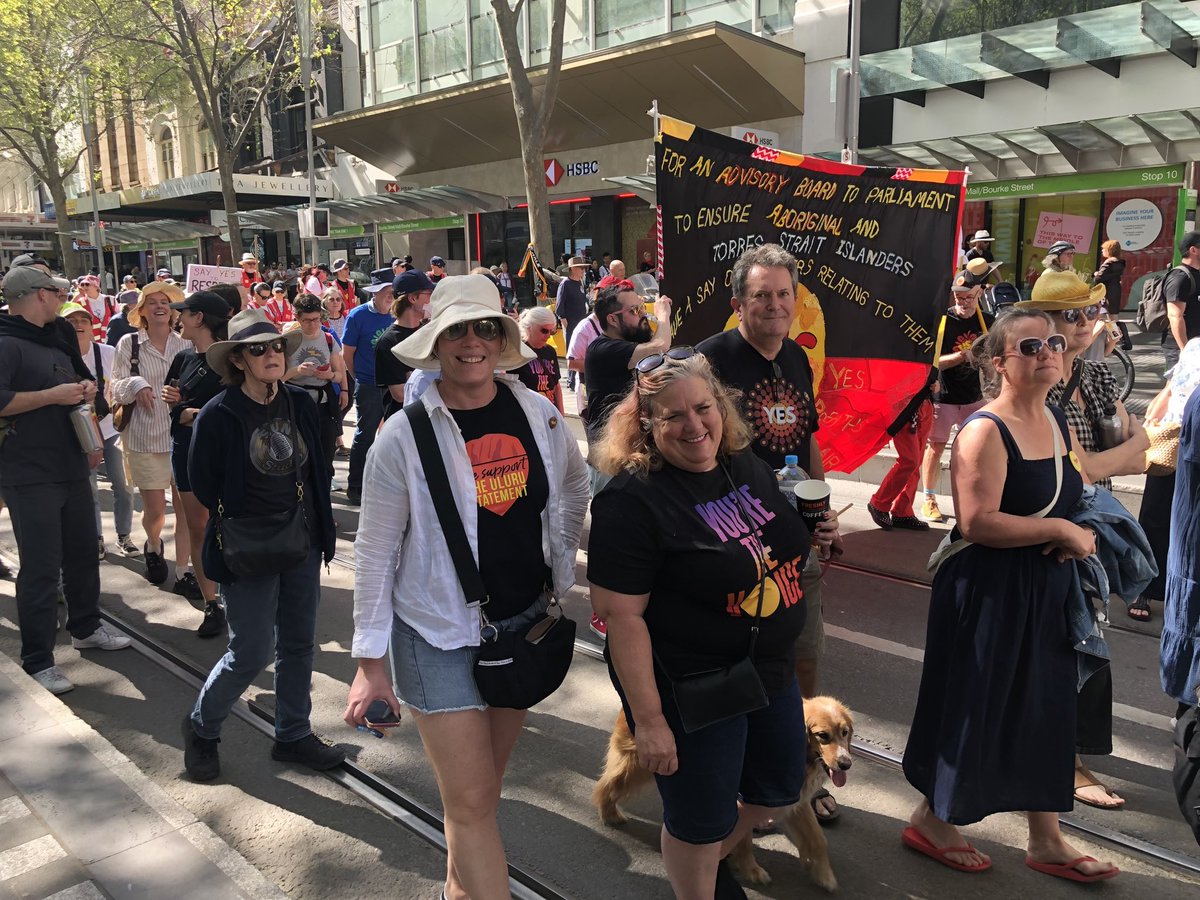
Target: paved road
<point x="316" y="840"/>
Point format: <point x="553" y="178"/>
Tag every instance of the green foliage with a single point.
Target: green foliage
<point x="925" y="21"/>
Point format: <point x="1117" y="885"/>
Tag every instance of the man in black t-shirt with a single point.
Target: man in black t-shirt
<point x="1181" y="290"/>
<point x="960" y="393"/>
<point x="775" y="378"/>
<point x="625" y="341"/>
<point x="412" y="291"/>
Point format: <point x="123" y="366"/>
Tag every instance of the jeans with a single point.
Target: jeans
<point x="49" y="519"/>
<point x="277" y="612"/>
<point x="114" y="468"/>
<point x="369" y="405"/>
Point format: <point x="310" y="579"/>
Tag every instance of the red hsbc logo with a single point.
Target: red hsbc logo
<point x="392" y="188"/>
<point x="554" y="172"/>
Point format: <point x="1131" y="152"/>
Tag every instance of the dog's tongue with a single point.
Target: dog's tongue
<point x="838" y="777"/>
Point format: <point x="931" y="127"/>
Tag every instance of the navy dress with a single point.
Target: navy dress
<point x="1180" y="650"/>
<point x="994" y="728"/>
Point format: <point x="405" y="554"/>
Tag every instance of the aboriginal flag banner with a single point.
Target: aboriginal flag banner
<point x="875" y="249"/>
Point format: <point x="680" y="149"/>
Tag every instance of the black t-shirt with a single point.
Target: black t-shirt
<point x="197" y="385"/>
<point x="984" y="254"/>
<point x="777" y="396"/>
<point x="40" y="447"/>
<point x="683" y="538"/>
<point x="512" y="490"/>
<point x="540" y="374"/>
<point x="960" y="384"/>
<point x="1182" y="285"/>
<point x="270" y="478"/>
<point x="607" y="376"/>
<point x="388" y="369"/>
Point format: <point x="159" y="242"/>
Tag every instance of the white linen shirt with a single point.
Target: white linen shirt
<point x="403" y="565"/>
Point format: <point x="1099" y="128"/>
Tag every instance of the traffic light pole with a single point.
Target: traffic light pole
<point x="304" y="26"/>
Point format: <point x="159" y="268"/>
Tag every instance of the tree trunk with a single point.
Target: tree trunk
<point x="229" y="196"/>
<point x="70" y="259"/>
<point x="538" y="199"/>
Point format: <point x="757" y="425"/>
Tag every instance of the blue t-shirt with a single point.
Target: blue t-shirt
<point x="364" y="326"/>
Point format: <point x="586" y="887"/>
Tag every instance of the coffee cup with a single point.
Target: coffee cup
<point x="812" y="500"/>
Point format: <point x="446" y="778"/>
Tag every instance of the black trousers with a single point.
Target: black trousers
<point x="55" y="528"/>
<point x="1155" y="519"/>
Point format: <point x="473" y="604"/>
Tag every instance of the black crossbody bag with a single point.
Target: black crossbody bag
<point x="515" y="668"/>
<point x="258" y="546"/>
<point x="706" y="698"/>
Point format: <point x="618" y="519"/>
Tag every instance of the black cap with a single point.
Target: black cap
<point x="395" y="261"/>
<point x="1188" y="241"/>
<point x="206" y="302"/>
<point x="279" y="286"/>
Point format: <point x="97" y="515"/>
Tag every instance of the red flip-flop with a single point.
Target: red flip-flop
<point x="917" y="841"/>
<point x="1069" y="872"/>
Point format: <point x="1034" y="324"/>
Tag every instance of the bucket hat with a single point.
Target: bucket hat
<point x="250" y="326"/>
<point x="462" y="298"/>
<point x="71" y="309"/>
<point x="1062" y="290"/>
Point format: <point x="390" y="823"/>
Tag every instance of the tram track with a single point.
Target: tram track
<point x="385" y="797"/>
<point x="423" y="822"/>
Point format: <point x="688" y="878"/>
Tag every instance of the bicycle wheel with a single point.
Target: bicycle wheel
<point x="1121" y="366"/>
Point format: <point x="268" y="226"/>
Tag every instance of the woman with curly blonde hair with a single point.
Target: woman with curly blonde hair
<point x="694" y="562"/>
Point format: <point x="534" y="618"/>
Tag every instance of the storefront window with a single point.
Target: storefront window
<point x="619" y="22"/>
<point x="776" y="15"/>
<point x="686" y="13"/>
<point x="443" y="43"/>
<point x="575" y="29"/>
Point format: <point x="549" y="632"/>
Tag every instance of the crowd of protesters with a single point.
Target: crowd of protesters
<point x="233" y="400"/>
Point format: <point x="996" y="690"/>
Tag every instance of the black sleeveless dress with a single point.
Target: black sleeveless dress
<point x="994" y="727"/>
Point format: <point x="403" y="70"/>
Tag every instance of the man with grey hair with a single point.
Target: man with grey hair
<point x="772" y="371"/>
<point x="44" y="474"/>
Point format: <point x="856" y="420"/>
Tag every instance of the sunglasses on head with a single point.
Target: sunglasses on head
<point x="1071" y="316"/>
<point x="279" y="345"/>
<point x="650" y="363"/>
<point x="1031" y="346"/>
<point x="485" y="330"/>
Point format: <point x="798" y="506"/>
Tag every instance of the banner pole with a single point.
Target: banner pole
<point x="653" y="113"/>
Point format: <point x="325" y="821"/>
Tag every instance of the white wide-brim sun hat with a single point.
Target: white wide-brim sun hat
<point x="462" y="298"/>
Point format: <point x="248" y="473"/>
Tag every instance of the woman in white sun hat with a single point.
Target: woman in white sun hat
<point x="521" y="489"/>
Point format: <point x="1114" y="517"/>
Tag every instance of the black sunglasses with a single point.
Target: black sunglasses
<point x="485" y="330"/>
<point x="650" y="363"/>
<point x="279" y="345"/>
<point x="1056" y="343"/>
<point x="1071" y="316"/>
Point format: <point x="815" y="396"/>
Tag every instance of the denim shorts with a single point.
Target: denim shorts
<point x="758" y="758"/>
<point x="431" y="680"/>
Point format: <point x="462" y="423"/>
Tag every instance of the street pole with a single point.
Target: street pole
<point x="304" y="26"/>
<point x="89" y="134"/>
<point x="853" y="82"/>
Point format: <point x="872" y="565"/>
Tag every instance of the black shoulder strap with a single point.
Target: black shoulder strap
<point x="443" y="502"/>
<point x="99" y="366"/>
<point x="1073" y="382"/>
<point x="133" y="357"/>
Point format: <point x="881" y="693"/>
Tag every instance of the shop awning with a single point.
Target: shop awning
<point x="1032" y="50"/>
<point x="157" y="231"/>
<point x="712" y="74"/>
<point x="405" y="205"/>
<point x="642" y="185"/>
<point x="1148" y="139"/>
<point x="197" y="193"/>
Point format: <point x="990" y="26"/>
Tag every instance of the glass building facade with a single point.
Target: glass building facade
<point x="412" y="47"/>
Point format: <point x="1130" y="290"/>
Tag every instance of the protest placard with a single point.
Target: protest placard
<point x="201" y="278"/>
<point x="875" y="249"/>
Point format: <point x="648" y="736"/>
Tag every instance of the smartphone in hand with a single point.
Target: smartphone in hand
<point x="380" y="715"/>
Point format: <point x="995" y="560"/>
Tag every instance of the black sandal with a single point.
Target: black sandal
<point x="1139" y="610"/>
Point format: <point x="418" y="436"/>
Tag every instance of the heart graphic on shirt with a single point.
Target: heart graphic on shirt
<point x="501" y="468"/>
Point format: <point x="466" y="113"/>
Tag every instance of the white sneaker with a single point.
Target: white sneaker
<point x="53" y="680"/>
<point x="103" y="638"/>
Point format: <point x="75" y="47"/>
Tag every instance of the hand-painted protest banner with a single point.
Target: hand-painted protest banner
<point x="875" y="249"/>
<point x="201" y="278"/>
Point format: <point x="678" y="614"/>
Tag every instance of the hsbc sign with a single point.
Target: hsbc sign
<point x="556" y="171"/>
<point x="756" y="136"/>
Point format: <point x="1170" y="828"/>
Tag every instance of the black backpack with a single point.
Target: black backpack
<point x="1152" y="308"/>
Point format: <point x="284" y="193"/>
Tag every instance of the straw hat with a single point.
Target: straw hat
<point x="462" y="298"/>
<point x="250" y="326"/>
<point x="1062" y="290"/>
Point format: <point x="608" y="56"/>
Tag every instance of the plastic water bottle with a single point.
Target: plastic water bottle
<point x="789" y="476"/>
<point x="1111" y="432"/>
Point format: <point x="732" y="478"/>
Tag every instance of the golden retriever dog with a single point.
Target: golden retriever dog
<point x="830" y="729"/>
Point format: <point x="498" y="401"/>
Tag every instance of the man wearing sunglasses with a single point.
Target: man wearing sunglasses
<point x="44" y="478"/>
